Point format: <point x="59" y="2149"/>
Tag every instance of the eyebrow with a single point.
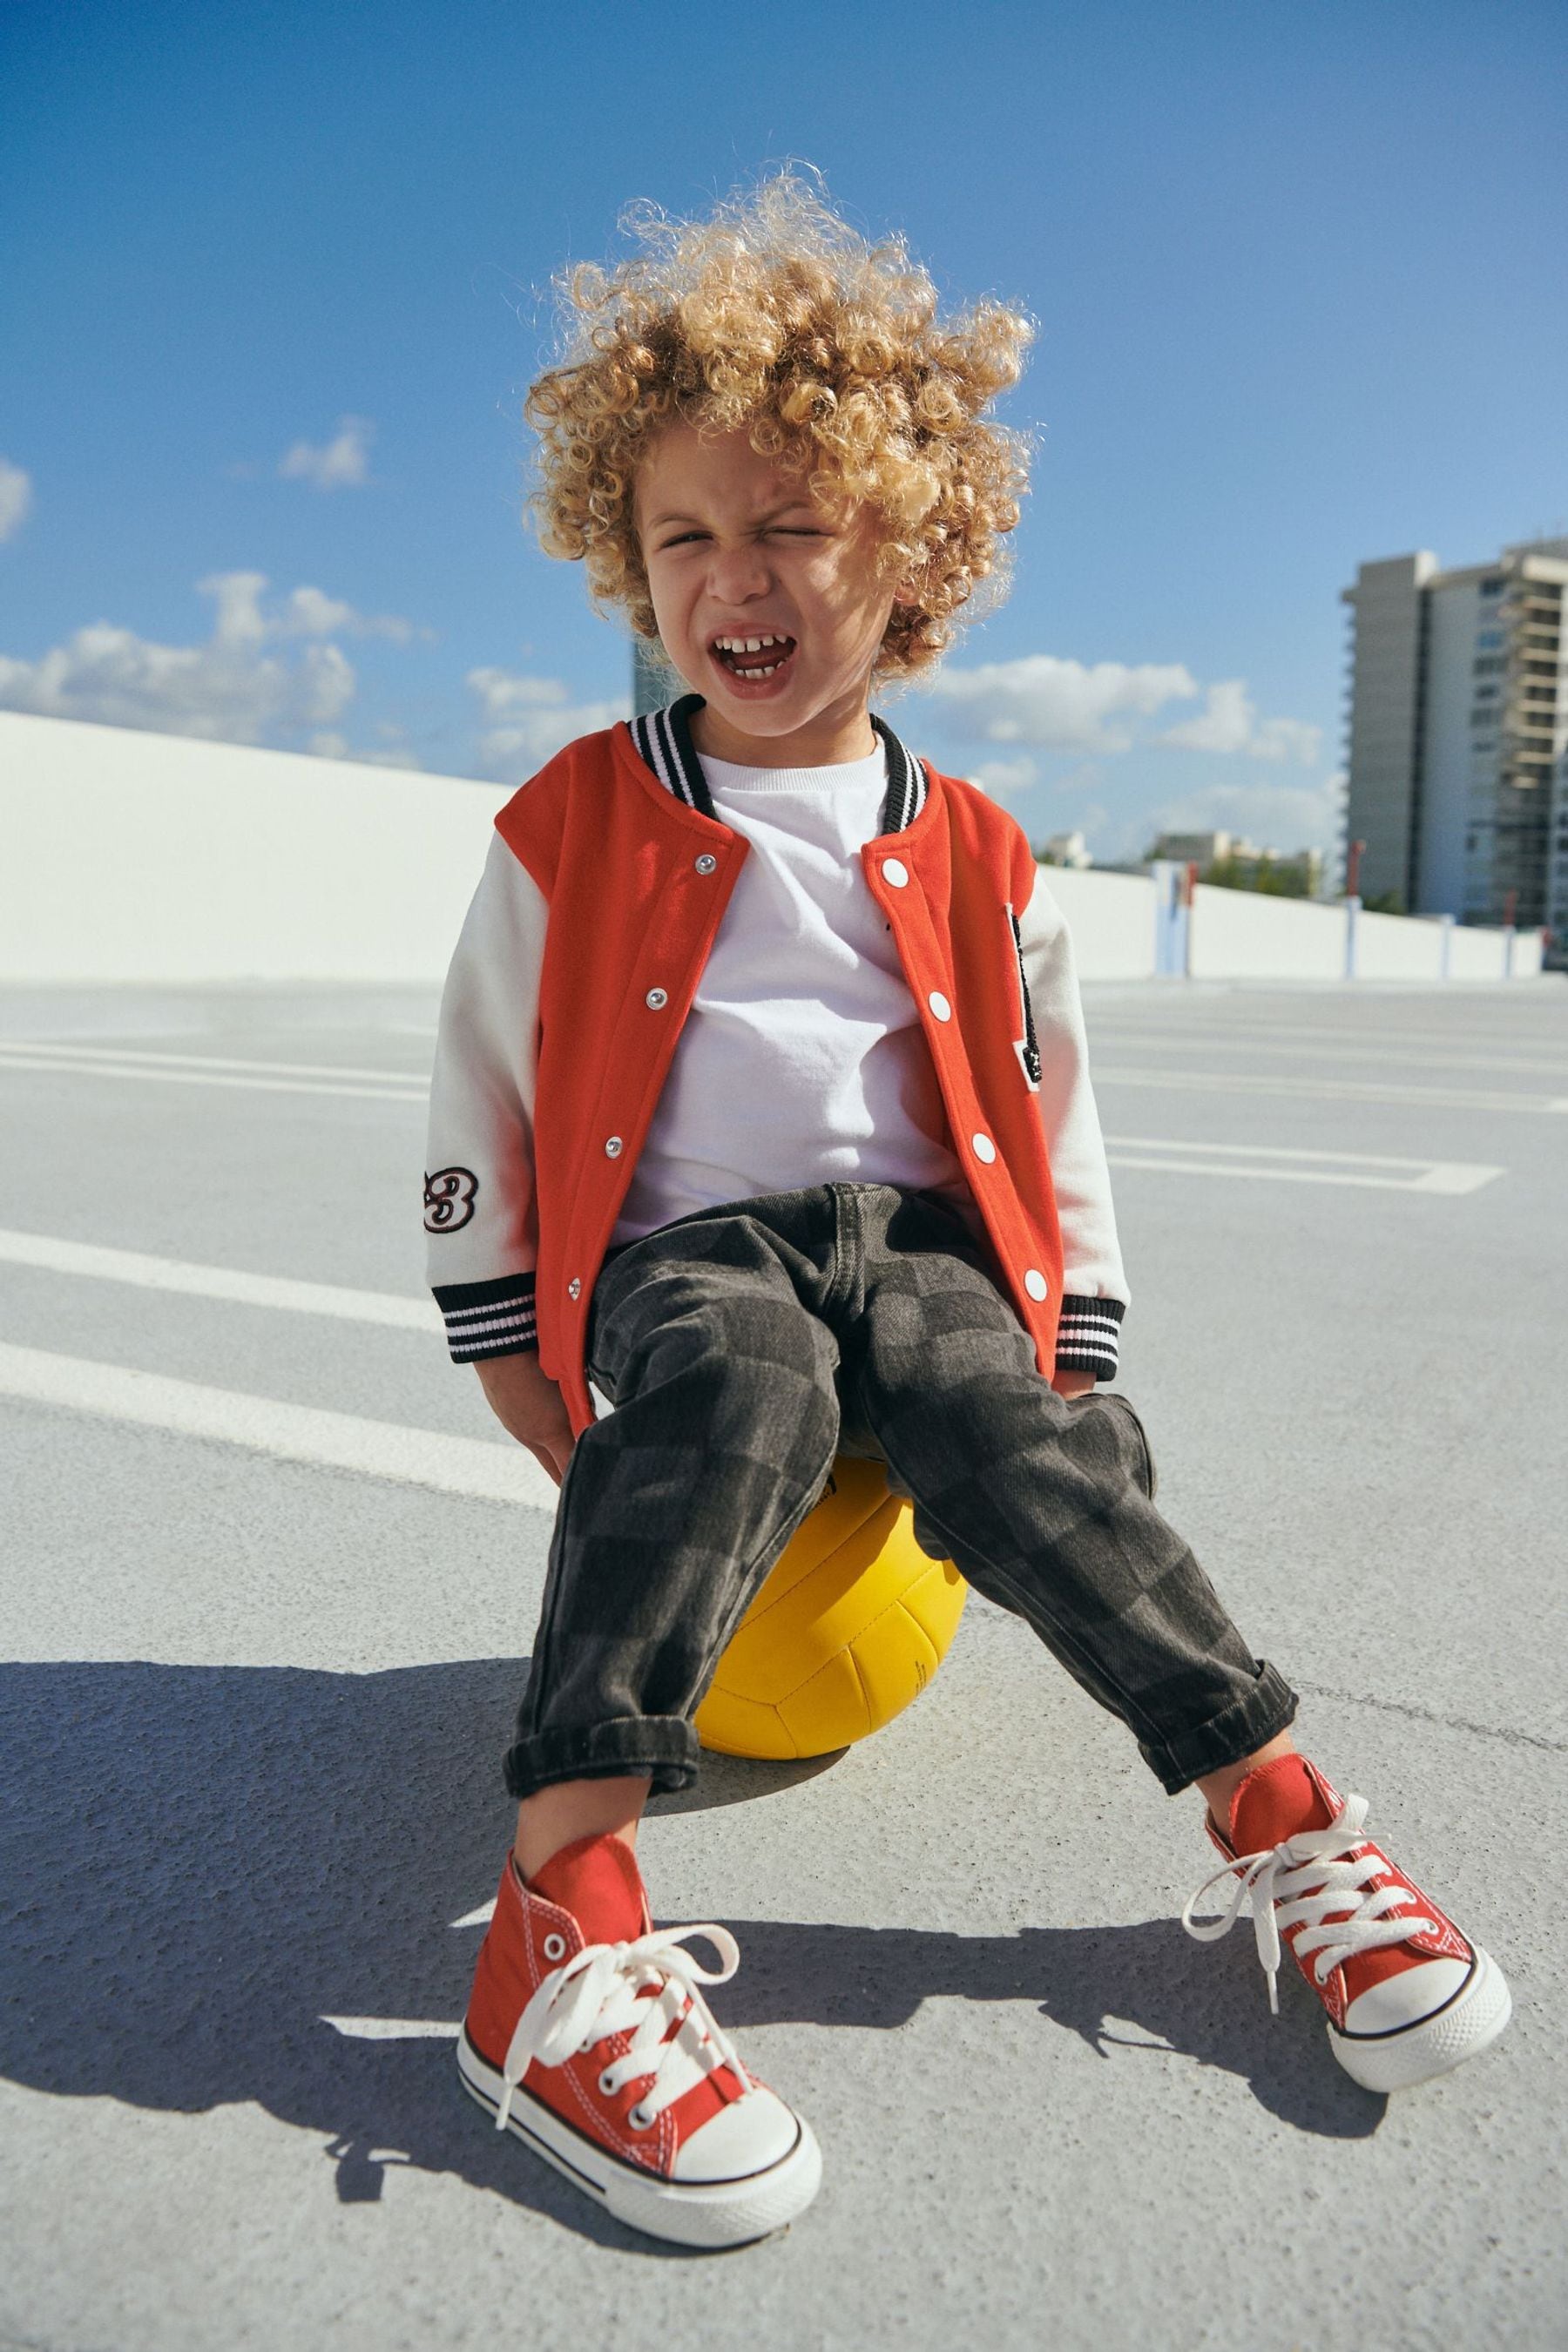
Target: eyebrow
<point x="768" y="514"/>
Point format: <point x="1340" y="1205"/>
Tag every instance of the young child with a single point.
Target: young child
<point x="761" y="1102"/>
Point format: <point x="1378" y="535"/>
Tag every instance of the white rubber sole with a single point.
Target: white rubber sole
<point x="711" y="2214"/>
<point x="1471" y="2022"/>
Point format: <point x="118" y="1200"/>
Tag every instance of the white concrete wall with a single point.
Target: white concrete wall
<point x="134" y="856"/>
<point x="1242" y="935"/>
<point x="1111" y="919"/>
<point x="131" y="856"/>
<point x="1394" y="946"/>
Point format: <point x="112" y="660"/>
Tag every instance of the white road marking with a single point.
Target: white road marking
<point x="151" y="1272"/>
<point x="480" y="1918"/>
<point x="1412" y="1053"/>
<point x="394" y="2028"/>
<point x="1179" y="1159"/>
<point x="292" y="1432"/>
<point x="1230" y="1082"/>
<point x="216" y="1070"/>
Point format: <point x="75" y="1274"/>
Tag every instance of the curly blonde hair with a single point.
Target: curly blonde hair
<point x="775" y="315"/>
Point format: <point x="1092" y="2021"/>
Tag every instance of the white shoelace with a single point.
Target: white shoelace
<point x="1299" y="1882"/>
<point x="650" y="1986"/>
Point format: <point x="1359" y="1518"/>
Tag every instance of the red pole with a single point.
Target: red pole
<point x="1353" y="867"/>
<point x="1510" y="905"/>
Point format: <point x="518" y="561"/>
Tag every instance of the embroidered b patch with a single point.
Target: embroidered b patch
<point x="449" y="1198"/>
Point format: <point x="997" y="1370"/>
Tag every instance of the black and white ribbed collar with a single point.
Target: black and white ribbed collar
<point x="663" y="740"/>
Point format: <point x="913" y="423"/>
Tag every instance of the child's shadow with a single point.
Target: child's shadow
<point x="203" y="1865"/>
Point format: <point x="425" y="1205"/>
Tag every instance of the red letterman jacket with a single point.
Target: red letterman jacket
<point x="606" y="886"/>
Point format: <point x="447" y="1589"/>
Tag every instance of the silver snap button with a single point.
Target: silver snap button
<point x="574" y="1289"/>
<point x="656" y="1000"/>
<point x="612" y="1146"/>
<point x="555" y="1948"/>
<point x="940" y="1005"/>
<point x="707" y="863"/>
<point x="1035" y="1283"/>
<point x="983" y="1148"/>
<point x="895" y="871"/>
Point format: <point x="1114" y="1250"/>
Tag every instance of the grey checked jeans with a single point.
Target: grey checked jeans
<point x="744" y="1347"/>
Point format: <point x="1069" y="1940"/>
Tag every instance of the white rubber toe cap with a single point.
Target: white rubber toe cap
<point x="1406" y="1999"/>
<point x="749" y="2135"/>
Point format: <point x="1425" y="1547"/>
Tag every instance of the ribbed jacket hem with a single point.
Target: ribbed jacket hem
<point x="1088" y="1336"/>
<point x="488" y="1318"/>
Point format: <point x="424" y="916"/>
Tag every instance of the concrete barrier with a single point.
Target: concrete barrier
<point x="1111" y="919"/>
<point x="134" y="857"/>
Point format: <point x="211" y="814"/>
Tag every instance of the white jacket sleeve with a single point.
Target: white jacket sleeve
<point x="1094" y="1288"/>
<point x="479" y="1216"/>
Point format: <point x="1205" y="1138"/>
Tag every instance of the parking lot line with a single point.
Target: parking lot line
<point x="1328" y="1045"/>
<point x="294" y="1433"/>
<point x="1277" y="1163"/>
<point x="212" y="1070"/>
<point x="59" y="1256"/>
<point x="1232" y="1082"/>
<point x="394" y="2028"/>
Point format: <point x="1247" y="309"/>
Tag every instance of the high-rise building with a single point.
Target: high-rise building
<point x="654" y="683"/>
<point x="1458" y="735"/>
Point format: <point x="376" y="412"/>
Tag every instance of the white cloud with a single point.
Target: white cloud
<point x="341" y="463"/>
<point x="241" y="687"/>
<point x="1061" y="705"/>
<point x="16" y="498"/>
<point x="226" y="692"/>
<point x="307" y="613"/>
<point x="530" y="719"/>
<point x="1228" y="723"/>
<point x="392" y="752"/>
<point x="1000" y="777"/>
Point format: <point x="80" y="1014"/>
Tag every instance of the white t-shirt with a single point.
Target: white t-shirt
<point x="802" y="1060"/>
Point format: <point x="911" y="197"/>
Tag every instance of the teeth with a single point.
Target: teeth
<point x="747" y="644"/>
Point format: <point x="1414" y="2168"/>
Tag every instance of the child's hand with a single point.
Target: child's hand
<point x="529" y="1405"/>
<point x="1072" y="1384"/>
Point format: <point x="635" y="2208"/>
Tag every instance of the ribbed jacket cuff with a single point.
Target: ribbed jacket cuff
<point x="1088" y="1336"/>
<point x="488" y="1319"/>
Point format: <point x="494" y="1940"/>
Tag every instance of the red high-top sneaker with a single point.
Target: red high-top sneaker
<point x="588" y="2036"/>
<point x="1407" y="1995"/>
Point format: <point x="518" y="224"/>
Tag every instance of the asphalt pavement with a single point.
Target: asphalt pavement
<point x="269" y="1570"/>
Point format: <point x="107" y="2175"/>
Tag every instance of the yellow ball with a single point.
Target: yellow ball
<point x="852" y="1623"/>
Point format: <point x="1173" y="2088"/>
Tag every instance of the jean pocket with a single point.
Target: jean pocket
<point x="1120" y="1404"/>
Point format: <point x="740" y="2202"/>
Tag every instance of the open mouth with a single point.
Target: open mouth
<point x="752" y="660"/>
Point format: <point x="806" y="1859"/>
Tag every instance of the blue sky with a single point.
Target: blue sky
<point x="277" y="276"/>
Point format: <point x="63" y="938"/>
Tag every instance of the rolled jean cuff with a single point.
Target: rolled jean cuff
<point x="665" y="1746"/>
<point x="1237" y="1730"/>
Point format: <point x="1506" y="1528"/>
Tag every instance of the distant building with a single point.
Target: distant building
<point x="654" y="683"/>
<point x="1459" y="734"/>
<point x="1231" y="859"/>
<point x="1201" y="848"/>
<point x="1065" y="849"/>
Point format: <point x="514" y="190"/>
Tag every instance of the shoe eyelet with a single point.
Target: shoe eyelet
<point x="607" y="2088"/>
<point x="555" y="1948"/>
<point x="638" y="2120"/>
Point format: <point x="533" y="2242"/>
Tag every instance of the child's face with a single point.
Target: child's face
<point x="734" y="548"/>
